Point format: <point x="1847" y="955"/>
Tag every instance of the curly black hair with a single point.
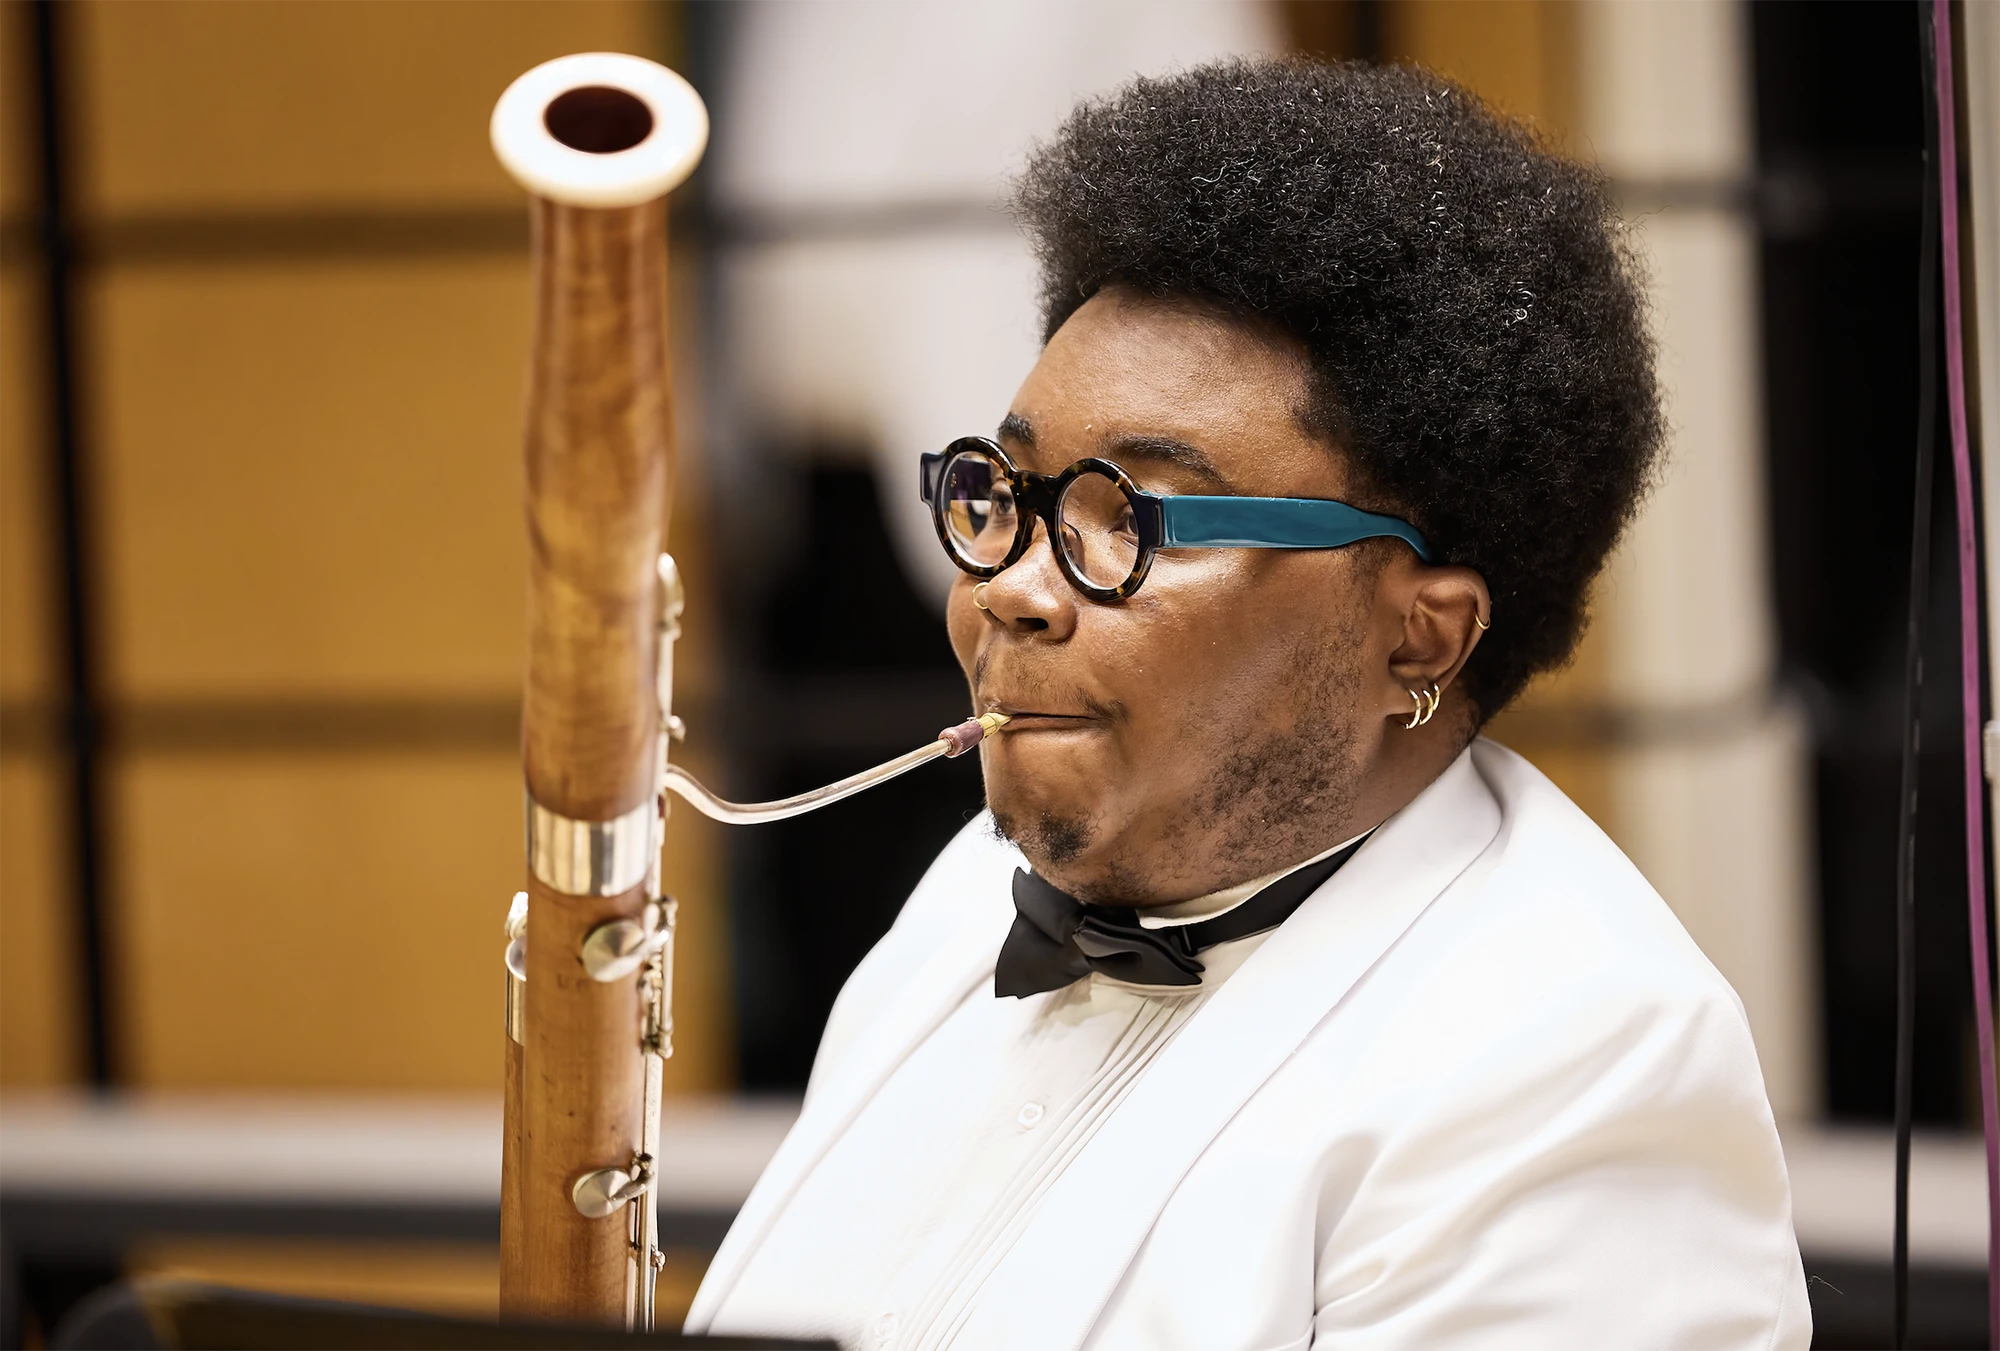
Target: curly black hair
<point x="1471" y="313"/>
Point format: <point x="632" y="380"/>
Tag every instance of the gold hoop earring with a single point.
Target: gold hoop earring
<point x="1483" y="625"/>
<point x="1427" y="706"/>
<point x="978" y="599"/>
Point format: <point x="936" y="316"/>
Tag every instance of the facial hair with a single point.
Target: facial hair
<point x="1046" y="838"/>
<point x="1268" y="796"/>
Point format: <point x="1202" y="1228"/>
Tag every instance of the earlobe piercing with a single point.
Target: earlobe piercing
<point x="979" y="598"/>
<point x="1427" y="705"/>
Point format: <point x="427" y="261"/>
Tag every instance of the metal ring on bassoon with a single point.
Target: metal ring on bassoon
<point x="591" y="858"/>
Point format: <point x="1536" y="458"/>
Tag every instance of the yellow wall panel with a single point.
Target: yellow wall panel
<point x="1521" y="56"/>
<point x="311" y="477"/>
<point x="335" y="922"/>
<point x="317" y="923"/>
<point x="1534" y="724"/>
<point x="194" y="105"/>
<point x="40" y="1031"/>
<point x="26" y="669"/>
<point x="1517" y="54"/>
<point x="18" y="126"/>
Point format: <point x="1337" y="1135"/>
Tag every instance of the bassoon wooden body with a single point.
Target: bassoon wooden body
<point x="599" y="140"/>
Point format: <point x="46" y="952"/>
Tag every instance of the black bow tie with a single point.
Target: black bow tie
<point x="1057" y="939"/>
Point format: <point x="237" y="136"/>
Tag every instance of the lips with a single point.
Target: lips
<point x="1047" y="722"/>
<point x="1027" y="718"/>
<point x="1035" y="698"/>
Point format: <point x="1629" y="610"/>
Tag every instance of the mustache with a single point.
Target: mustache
<point x="1026" y="684"/>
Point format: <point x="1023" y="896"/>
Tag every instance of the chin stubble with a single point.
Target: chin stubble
<point x="1046" y="838"/>
<point x="1268" y="798"/>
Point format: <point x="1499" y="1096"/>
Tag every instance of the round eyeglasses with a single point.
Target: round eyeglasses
<point x="1105" y="530"/>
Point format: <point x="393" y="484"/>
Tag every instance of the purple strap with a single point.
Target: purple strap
<point x="1968" y="644"/>
<point x="963" y="737"/>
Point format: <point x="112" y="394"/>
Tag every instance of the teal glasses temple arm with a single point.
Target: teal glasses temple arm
<point x="1278" y="523"/>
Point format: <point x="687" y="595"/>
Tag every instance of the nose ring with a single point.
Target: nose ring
<point x="978" y="596"/>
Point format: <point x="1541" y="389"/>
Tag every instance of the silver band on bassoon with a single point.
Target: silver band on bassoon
<point x="591" y="858"/>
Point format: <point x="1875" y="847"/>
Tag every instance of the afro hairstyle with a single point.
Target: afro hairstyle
<point x="1471" y="313"/>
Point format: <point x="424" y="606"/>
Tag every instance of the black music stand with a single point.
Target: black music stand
<point x="168" y="1315"/>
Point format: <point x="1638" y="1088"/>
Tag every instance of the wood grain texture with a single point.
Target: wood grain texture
<point x="513" y="1111"/>
<point x="598" y="466"/>
<point x="582" y="1098"/>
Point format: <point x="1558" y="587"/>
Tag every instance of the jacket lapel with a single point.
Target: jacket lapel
<point x="976" y="907"/>
<point x="1049" y="1289"/>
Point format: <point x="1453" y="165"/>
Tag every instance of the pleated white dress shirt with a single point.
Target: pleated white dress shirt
<point x="1013" y="1089"/>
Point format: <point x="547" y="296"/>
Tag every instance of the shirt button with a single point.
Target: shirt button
<point x="885" y="1327"/>
<point x="1030" y="1114"/>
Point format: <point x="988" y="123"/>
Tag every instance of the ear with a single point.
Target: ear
<point x="1444" y="611"/>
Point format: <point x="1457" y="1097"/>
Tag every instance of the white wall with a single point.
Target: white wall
<point x="872" y="111"/>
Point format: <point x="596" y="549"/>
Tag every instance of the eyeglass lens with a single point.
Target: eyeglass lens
<point x="1100" y="538"/>
<point x="1098" y="535"/>
<point x="979" y="512"/>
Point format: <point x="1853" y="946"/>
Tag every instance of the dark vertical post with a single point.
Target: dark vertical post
<point x="1368" y="31"/>
<point x="1913" y="685"/>
<point x="74" y="612"/>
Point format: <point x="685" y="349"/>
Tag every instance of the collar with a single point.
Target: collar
<point x="1222" y="902"/>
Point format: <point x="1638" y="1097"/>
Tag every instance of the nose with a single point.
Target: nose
<point x="1032" y="598"/>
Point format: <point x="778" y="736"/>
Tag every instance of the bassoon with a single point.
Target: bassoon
<point x="599" y="140"/>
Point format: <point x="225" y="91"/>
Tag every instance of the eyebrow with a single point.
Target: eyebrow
<point x="1171" y="452"/>
<point x="1160" y="450"/>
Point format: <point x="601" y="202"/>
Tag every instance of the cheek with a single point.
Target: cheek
<point x="964" y="624"/>
<point x="1188" y="664"/>
<point x="1243" y="634"/>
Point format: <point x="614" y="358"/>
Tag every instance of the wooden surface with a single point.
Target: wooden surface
<point x="334" y="421"/>
<point x="598" y="467"/>
<point x="196" y="104"/>
<point x="39" y="1042"/>
<point x="513" y="1122"/>
<point x="598" y="471"/>
<point x="41" y="1039"/>
<point x="27" y="659"/>
<point x="581" y="1110"/>
<point x="306" y="482"/>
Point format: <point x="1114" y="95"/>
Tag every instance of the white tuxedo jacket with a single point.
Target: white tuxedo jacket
<point x="1481" y="1090"/>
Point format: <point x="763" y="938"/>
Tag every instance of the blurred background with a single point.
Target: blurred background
<point x="263" y="323"/>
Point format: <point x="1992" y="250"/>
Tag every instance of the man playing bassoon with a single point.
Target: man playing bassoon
<point x="1268" y="1005"/>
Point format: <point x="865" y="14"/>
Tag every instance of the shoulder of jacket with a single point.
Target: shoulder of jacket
<point x="1578" y="912"/>
<point x="1551" y="976"/>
